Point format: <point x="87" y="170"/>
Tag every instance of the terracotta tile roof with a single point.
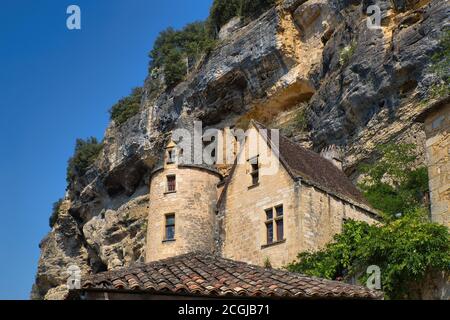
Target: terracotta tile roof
<point x="202" y="274"/>
<point x="316" y="170"/>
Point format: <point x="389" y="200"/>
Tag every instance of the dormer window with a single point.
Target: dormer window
<point x="170" y="156"/>
<point x="254" y="171"/>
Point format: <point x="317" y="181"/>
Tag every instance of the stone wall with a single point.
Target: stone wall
<point x="194" y="205"/>
<point x="437" y="126"/>
<point x="244" y="218"/>
<point x="323" y="216"/>
<point x="311" y="216"/>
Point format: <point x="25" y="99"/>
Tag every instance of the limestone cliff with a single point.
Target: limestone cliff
<point x="290" y="61"/>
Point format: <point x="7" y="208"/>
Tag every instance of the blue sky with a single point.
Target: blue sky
<point x="57" y="85"/>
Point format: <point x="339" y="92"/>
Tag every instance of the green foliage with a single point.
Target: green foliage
<point x="392" y="184"/>
<point x="86" y="151"/>
<point x="253" y="8"/>
<point x="347" y="53"/>
<point x="221" y="12"/>
<point x="440" y="65"/>
<point x="126" y="107"/>
<point x="55" y="213"/>
<point x="267" y="263"/>
<point x="300" y="120"/>
<point x="174" y="49"/>
<point x="405" y="249"/>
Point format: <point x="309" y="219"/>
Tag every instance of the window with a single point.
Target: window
<point x="269" y="225"/>
<point x="171" y="184"/>
<point x="279" y="223"/>
<point x="170" y="227"/>
<point x="170" y="156"/>
<point x="254" y="173"/>
<point x="276" y="220"/>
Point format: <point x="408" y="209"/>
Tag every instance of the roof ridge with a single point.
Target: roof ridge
<point x="344" y="189"/>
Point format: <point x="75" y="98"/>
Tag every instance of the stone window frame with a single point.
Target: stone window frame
<point x="168" y="186"/>
<point x="166" y="226"/>
<point x="272" y="222"/>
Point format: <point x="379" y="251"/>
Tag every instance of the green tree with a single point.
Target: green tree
<point x="174" y="48"/>
<point x="86" y="151"/>
<point x="126" y="107"/>
<point x="55" y="213"/>
<point x="392" y="184"/>
<point x="405" y="249"/>
<point x="221" y="12"/>
<point x="254" y="8"/>
<point x="175" y="51"/>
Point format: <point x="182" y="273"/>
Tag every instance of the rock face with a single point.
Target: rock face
<point x="291" y="55"/>
<point x="374" y="96"/>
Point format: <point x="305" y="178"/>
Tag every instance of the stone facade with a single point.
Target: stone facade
<point x="229" y="217"/>
<point x="437" y="129"/>
<point x="311" y="216"/>
<point x="193" y="203"/>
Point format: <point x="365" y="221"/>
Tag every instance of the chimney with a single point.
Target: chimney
<point x="333" y="154"/>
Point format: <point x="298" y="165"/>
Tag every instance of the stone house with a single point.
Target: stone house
<point x="209" y="221"/>
<point x="251" y="216"/>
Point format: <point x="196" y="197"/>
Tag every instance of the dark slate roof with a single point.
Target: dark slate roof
<point x="184" y="161"/>
<point x="316" y="170"/>
<point x="202" y="274"/>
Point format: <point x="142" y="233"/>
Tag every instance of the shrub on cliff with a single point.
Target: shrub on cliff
<point x="126" y="107"/>
<point x="175" y="51"/>
<point x="86" y="151"/>
<point x="440" y="65"/>
<point x="347" y="53"/>
<point x="253" y="8"/>
<point x="223" y="11"/>
<point x="55" y="213"/>
<point x="405" y="249"/>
